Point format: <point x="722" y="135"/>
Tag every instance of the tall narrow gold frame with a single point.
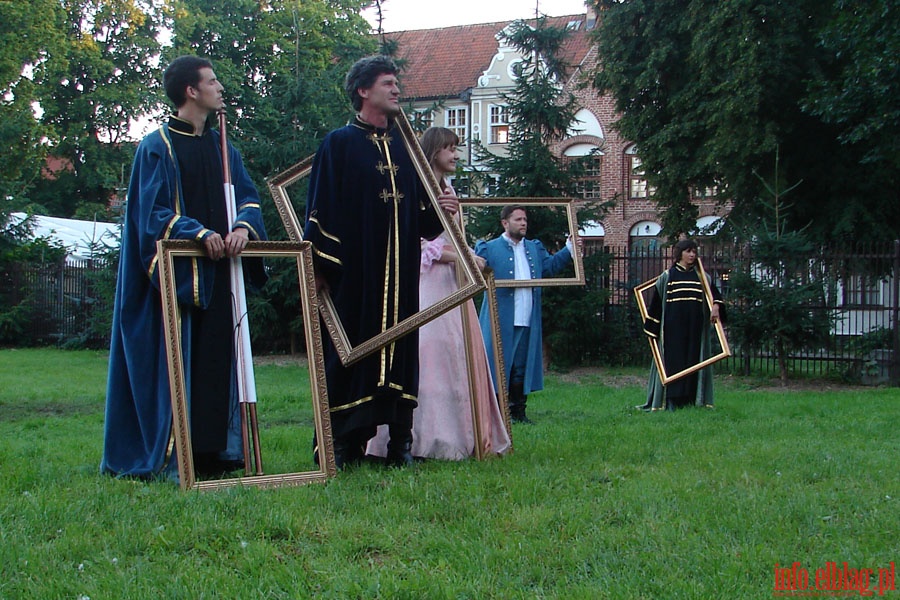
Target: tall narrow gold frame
<point x="497" y="344"/>
<point x="564" y="203"/>
<point x="472" y="280"/>
<point x="655" y="349"/>
<point x="168" y="250"/>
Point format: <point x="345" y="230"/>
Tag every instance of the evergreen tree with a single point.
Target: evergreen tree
<point x="541" y="112"/>
<point x="776" y="292"/>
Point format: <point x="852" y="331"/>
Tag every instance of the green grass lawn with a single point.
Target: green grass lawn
<point x="597" y="501"/>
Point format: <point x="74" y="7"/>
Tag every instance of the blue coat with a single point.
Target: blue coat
<point x="138" y="423"/>
<point x="499" y="256"/>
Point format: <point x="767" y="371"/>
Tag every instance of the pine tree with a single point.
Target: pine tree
<point x="542" y="112"/>
<point x="776" y="290"/>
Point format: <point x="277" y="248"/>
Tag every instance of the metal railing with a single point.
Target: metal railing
<point x="70" y="303"/>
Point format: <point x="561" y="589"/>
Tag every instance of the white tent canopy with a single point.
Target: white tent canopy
<point x="82" y="239"/>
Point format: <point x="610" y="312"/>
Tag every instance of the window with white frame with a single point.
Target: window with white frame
<point x="637" y="181"/>
<point x="637" y="184"/>
<point x="499" y="123"/>
<point x="457" y="121"/>
<point x="462" y="184"/>
<point x="705" y="193"/>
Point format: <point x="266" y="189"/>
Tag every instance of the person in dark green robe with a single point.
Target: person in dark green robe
<point x="682" y="323"/>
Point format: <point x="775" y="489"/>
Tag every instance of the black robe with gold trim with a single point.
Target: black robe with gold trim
<point x="366" y="211"/>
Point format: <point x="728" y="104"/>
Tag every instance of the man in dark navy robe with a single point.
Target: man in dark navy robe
<point x="177" y="192"/>
<point x="366" y="212"/>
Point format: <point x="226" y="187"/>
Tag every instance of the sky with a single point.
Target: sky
<point x="401" y="15"/>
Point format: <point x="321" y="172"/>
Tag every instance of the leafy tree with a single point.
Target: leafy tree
<point x="542" y="112"/>
<point x="30" y="48"/>
<point x="107" y="78"/>
<point x="708" y="90"/>
<point x="282" y="64"/>
<point x="858" y="90"/>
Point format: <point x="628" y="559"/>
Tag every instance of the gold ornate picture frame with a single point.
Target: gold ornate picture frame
<point x="643" y="293"/>
<point x="564" y="204"/>
<point x="497" y="346"/>
<point x="471" y="279"/>
<point x="168" y="251"/>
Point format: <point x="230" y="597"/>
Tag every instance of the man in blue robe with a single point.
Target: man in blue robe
<point x="366" y="211"/>
<point x="176" y="191"/>
<point x="511" y="256"/>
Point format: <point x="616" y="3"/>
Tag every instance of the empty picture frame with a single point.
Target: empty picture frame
<point x="644" y="295"/>
<point x="533" y="204"/>
<point x="497" y="347"/>
<point x="471" y="280"/>
<point x="168" y="252"/>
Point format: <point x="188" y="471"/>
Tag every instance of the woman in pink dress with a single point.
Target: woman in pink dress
<point x="442" y="423"/>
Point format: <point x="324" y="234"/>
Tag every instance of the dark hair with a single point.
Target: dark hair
<point x="363" y="74"/>
<point x="510" y="209"/>
<point x="681" y="246"/>
<point x="436" y="139"/>
<point x="182" y="72"/>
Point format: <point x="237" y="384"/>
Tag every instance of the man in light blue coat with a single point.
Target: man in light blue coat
<point x="511" y="256"/>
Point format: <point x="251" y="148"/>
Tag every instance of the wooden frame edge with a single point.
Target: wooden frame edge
<point x="664" y="377"/>
<point x="167" y="251"/>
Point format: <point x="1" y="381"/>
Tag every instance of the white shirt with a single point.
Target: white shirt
<point x="522" y="296"/>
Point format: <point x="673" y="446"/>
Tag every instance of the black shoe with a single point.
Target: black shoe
<point x="399" y="458"/>
<point x="347" y="454"/>
<point x="517" y="413"/>
<point x="399" y="448"/>
<point x="521" y="417"/>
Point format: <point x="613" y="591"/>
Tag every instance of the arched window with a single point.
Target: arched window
<point x="708" y="225"/>
<point x="593" y="235"/>
<point x="647" y="257"/>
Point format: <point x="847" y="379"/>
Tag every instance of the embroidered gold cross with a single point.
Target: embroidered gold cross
<point x="386" y="196"/>
<point x="375" y="138"/>
<point x="383" y="167"/>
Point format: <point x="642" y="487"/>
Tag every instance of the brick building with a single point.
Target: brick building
<point x="455" y="78"/>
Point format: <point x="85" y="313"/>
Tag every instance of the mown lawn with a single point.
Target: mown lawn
<point x="597" y="500"/>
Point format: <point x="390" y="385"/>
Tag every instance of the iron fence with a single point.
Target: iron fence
<point x="70" y="303"/>
<point x="859" y="299"/>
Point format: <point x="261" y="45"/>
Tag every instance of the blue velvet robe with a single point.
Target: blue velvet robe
<point x="499" y="256"/>
<point x="366" y="211"/>
<point x="138" y="426"/>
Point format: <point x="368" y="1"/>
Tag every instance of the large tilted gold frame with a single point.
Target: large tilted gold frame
<point x="472" y="282"/>
<point x="168" y="251"/>
<point x="655" y="349"/>
<point x="559" y="203"/>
